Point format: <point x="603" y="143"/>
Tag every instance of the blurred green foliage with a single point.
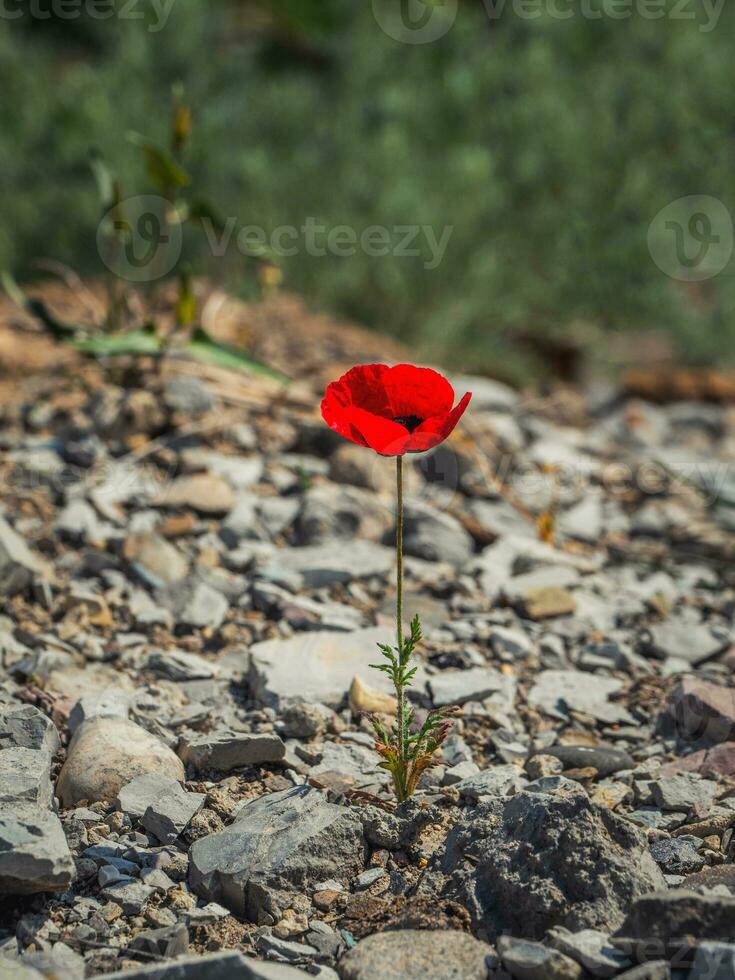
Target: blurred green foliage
<point x="548" y="145"/>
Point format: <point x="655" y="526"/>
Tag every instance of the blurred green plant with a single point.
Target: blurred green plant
<point x="547" y="145"/>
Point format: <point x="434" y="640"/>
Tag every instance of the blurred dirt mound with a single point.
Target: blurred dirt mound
<point x="280" y="330"/>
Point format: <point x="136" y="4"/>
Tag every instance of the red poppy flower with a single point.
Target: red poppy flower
<point x="393" y="410"/>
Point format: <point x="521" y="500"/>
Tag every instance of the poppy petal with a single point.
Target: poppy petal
<point x="366" y="429"/>
<point x="416" y="391"/>
<point x="435" y="430"/>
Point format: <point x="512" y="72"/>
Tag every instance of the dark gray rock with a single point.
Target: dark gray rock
<point x="667" y="924"/>
<point x="410" y="954"/>
<point x="224" y="751"/>
<point x="18" y="565"/>
<point x="168" y="942"/>
<point x="683" y="791"/>
<point x="279" y="843"/>
<point x="528" y="960"/>
<point x="676" y="856"/>
<point x="34" y="854"/>
<point x="225" y="965"/>
<point x="24" y="726"/>
<point x="177" y="665"/>
<point x="540" y="860"/>
<point x="435" y="536"/>
<point x="169" y="814"/>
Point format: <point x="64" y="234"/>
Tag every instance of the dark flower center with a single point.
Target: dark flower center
<point x="409" y="422"/>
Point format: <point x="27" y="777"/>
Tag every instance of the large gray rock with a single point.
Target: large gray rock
<point x="430" y="534"/>
<point x="224" y="751"/>
<point x="25" y="777"/>
<point x="18" y="565"/>
<point x="668" y="924"/>
<point x="34" y="855"/>
<point x="332" y="563"/>
<point x="410" y="954"/>
<point x="556" y="692"/>
<point x="226" y="965"/>
<point x="279" y="844"/>
<point x="540" y="860"/>
<point x="107" y="753"/>
<point x="24" y="726"/>
<point x="318" y="666"/>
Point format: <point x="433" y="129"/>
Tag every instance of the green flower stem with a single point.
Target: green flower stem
<point x="400" y="690"/>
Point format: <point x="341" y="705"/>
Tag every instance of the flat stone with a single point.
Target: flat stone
<point x="498" y="781"/>
<point x="224" y="965"/>
<point x="409" y="954"/>
<point x="24" y="726"/>
<point x="546" y="602"/>
<point x="154" y="559"/>
<point x="34" y="854"/>
<point x="205" y="493"/>
<point x="701" y="710"/>
<point x="279" y="844"/>
<point x="19" y="567"/>
<point x="684" y="791"/>
<point x="195" y="603"/>
<point x="188" y="395"/>
<point x="691" y="642"/>
<point x="130" y="894"/>
<point x="25" y="777"/>
<point x="332" y="563"/>
<point x="136" y="796"/>
<point x="528" y="960"/>
<point x="108" y="703"/>
<point x="105" y="754"/>
<point x="166" y="942"/>
<point x="224" y="751"/>
<point x="178" y="665"/>
<point x="169" y="814"/>
<point x="434" y="535"/>
<point x="240" y="472"/>
<point x="604" y="759"/>
<point x="556" y="692"/>
<point x="673" y="922"/>
<point x="710" y="763"/>
<point x="319" y="666"/>
<point x="591" y="949"/>
<point x="475" y="684"/>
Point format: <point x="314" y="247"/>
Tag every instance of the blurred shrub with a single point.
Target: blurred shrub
<point x="547" y="145"/>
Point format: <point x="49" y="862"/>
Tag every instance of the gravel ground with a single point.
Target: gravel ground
<point x="194" y="574"/>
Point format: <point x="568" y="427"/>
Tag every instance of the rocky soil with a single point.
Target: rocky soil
<point x="194" y="573"/>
